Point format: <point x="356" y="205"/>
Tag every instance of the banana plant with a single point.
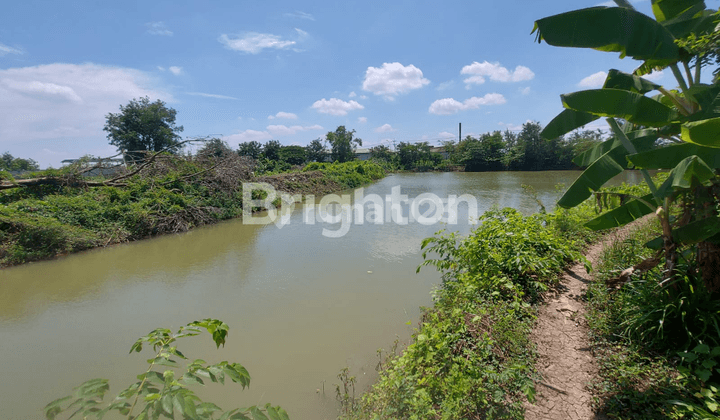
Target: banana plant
<point x="676" y="129"/>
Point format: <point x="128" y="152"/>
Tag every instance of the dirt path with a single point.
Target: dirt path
<point x="565" y="359"/>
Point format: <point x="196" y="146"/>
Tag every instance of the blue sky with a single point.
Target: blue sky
<point x="290" y="71"/>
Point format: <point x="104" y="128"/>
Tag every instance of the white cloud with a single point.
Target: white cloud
<point x="449" y="106"/>
<point x="385" y="128"/>
<point x="511" y="126"/>
<point x="352" y="95"/>
<point x="161" y="68"/>
<point x="300" y="15"/>
<point x="445" y="85"/>
<point x="335" y="106"/>
<point x="285" y="115"/>
<point x="281" y="130"/>
<point x="175" y="70"/>
<point x="525" y="91"/>
<point x="158" y="28"/>
<point x="67" y="101"/>
<point x="362" y="120"/>
<point x="446" y="134"/>
<point x="254" y="42"/>
<point x="246" y="136"/>
<point x="4" y="49"/>
<point x="654" y="76"/>
<point x="210" y="95"/>
<point x="393" y="79"/>
<point x="479" y="71"/>
<point x="595" y="80"/>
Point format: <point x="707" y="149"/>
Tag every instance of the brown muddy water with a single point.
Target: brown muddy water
<point x="300" y="306"/>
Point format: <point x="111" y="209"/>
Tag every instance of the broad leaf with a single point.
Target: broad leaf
<point x="689" y="170"/>
<point x="623" y="104"/>
<point x="691" y="233"/>
<point x="599" y="172"/>
<point x="616" y="29"/>
<point x="591" y="155"/>
<point x="622" y="215"/>
<point x="665" y="10"/>
<point x="704" y="133"/>
<point x="565" y="122"/>
<point x="625" y="81"/>
<point x="668" y="157"/>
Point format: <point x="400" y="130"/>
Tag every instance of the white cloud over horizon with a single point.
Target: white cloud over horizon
<point x="595" y="80"/>
<point x="393" y="79"/>
<point x="335" y="106"/>
<point x="175" y="70"/>
<point x="5" y="49"/>
<point x="494" y="71"/>
<point x="210" y="95"/>
<point x="449" y="106"/>
<point x="281" y="130"/>
<point x="67" y="101"/>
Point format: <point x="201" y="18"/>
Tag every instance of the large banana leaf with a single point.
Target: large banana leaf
<point x="616" y="29"/>
<point x="565" y="122"/>
<point x="704" y="133"/>
<point x="623" y="104"/>
<point x="689" y="170"/>
<point x="670" y="156"/>
<point x="701" y="23"/>
<point x="622" y="215"/>
<point x="619" y="80"/>
<point x="591" y="155"/>
<point x="600" y="171"/>
<point x="692" y="233"/>
<point x="667" y="10"/>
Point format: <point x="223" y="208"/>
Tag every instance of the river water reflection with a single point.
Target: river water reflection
<point x="300" y="306"/>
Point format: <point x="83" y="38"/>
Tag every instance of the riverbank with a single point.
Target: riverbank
<point x="473" y="353"/>
<point x="68" y="214"/>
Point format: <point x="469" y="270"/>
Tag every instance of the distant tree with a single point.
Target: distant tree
<point x="381" y="152"/>
<point x="271" y="150"/>
<point x="142" y="125"/>
<point x="410" y="155"/>
<point x="343" y="144"/>
<point x="251" y="149"/>
<point x="10" y="163"/>
<point x="294" y="155"/>
<point x="316" y="151"/>
<point x="214" y="148"/>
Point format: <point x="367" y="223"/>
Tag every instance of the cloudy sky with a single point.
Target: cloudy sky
<point x="290" y="71"/>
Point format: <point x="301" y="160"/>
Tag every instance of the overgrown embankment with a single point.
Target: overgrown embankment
<point x="69" y="213"/>
<point x="657" y="343"/>
<point x="471" y="356"/>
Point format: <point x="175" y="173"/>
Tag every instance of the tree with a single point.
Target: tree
<point x="677" y="129"/>
<point x="294" y="155"/>
<point x="143" y="126"/>
<point x="271" y="150"/>
<point x="381" y="152"/>
<point x="343" y="144"/>
<point x="316" y="151"/>
<point x="10" y="163"/>
<point x="251" y="149"/>
<point x="214" y="148"/>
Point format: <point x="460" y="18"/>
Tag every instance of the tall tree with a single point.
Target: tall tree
<point x="294" y="155"/>
<point x="343" y="144"/>
<point x="214" y="148"/>
<point x="251" y="149"/>
<point x="271" y="150"/>
<point x="10" y="163"/>
<point x="142" y="125"/>
<point x="316" y="151"/>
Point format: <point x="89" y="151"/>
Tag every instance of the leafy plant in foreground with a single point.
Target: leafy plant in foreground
<point x="163" y="393"/>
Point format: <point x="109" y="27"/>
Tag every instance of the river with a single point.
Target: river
<point x="300" y="305"/>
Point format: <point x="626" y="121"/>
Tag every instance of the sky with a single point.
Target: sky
<point x="285" y="70"/>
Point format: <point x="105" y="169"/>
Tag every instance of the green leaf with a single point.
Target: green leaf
<point x="703" y="133"/>
<point x="702" y="349"/>
<point x="565" y="122"/>
<point x="665" y="10"/>
<point x="167" y="404"/>
<point x="670" y="156"/>
<point x="624" y="81"/>
<point x="690" y="169"/>
<point x="693" y="232"/>
<point x="257" y="414"/>
<point x="616" y="29"/>
<point x="272" y="412"/>
<point x="192" y="379"/>
<point x="622" y="215"/>
<point x="591" y="155"/>
<point x="600" y="171"/>
<point x="623" y="104"/>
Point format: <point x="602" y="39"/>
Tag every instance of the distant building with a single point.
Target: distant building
<point x="441" y="150"/>
<point x="362" y="153"/>
<point x="106" y="167"/>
